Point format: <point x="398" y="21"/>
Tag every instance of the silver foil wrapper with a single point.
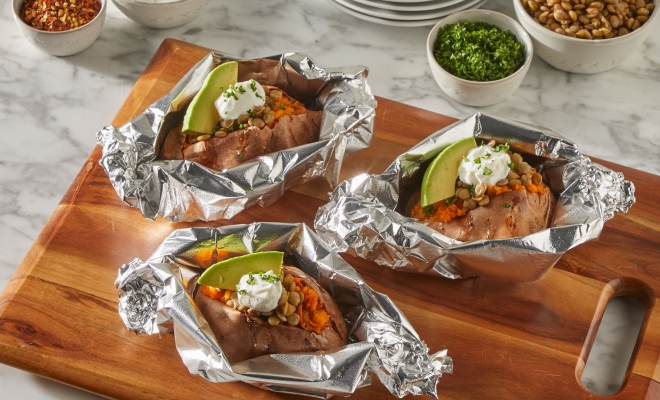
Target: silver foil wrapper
<point x="361" y="216"/>
<point x="184" y="191"/>
<point x="155" y="297"/>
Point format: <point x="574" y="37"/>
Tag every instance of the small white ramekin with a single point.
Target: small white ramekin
<point x="473" y="93"/>
<point x="161" y="15"/>
<point x="63" y="43"/>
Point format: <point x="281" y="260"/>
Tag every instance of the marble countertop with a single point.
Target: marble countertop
<point x="50" y="108"/>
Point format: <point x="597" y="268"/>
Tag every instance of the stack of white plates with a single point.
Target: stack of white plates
<point x="404" y="12"/>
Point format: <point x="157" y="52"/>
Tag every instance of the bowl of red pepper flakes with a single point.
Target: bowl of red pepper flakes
<point x="60" y="27"/>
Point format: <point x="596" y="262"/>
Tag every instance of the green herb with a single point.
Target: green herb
<point x="487" y="171"/>
<point x="250" y="113"/>
<point x="259" y="96"/>
<point x="240" y="89"/>
<point x="253" y="85"/>
<point x="512" y="165"/>
<point x="269" y="278"/>
<point x="230" y="93"/>
<point x="487" y="155"/>
<point x="215" y="128"/>
<point x="502" y="147"/>
<point x="507" y="205"/>
<point x="477" y="160"/>
<point x="473" y="190"/>
<point x="428" y="210"/>
<point x="449" y="201"/>
<point x="478" y="51"/>
<point x="281" y="107"/>
<point x="240" y="125"/>
<point x="240" y="291"/>
<point x="250" y="280"/>
<point x="466" y="159"/>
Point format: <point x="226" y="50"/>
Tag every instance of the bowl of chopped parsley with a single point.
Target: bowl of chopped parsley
<point x="479" y="57"/>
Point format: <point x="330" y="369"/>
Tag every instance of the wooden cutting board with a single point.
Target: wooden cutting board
<point x="58" y="314"/>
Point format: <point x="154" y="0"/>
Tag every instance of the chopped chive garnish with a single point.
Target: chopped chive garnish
<point x="502" y="147"/>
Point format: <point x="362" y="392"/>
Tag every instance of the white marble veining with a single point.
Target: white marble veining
<point x="51" y="107"/>
<point x="622" y="320"/>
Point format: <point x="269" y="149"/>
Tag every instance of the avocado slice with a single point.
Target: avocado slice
<point x="226" y="274"/>
<point x="201" y="115"/>
<point x="440" y="177"/>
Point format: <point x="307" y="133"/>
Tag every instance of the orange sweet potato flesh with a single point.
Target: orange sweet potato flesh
<point x="242" y="337"/>
<point x="507" y="215"/>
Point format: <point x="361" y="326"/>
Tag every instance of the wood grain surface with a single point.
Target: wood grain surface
<point x="58" y="314"/>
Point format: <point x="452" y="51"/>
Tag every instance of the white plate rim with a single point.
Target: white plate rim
<point x="409" y="1"/>
<point x="390" y="22"/>
<point x="402" y="16"/>
<point x="390" y="5"/>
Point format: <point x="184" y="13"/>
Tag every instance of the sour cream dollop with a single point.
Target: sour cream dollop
<point x="257" y="292"/>
<point x="238" y="99"/>
<point x="484" y="165"/>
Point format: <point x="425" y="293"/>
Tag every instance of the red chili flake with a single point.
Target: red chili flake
<point x="59" y="15"/>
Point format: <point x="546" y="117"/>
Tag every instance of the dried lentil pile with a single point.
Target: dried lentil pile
<point x="590" y="19"/>
<point x="57" y="16"/>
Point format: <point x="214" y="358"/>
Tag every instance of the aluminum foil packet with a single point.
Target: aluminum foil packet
<point x="155" y="297"/>
<point x="185" y="191"/>
<point x="363" y="215"/>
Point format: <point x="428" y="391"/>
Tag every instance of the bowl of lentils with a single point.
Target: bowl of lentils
<point x="586" y="36"/>
<point x="60" y="27"/>
<point x="479" y="57"/>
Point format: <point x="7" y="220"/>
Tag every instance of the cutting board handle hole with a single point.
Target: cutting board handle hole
<point x="612" y="343"/>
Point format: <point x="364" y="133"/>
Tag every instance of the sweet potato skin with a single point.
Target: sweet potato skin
<point x="242" y="337"/>
<point x="527" y="213"/>
<point x="221" y="153"/>
<point x="173" y="147"/>
<point x="240" y="146"/>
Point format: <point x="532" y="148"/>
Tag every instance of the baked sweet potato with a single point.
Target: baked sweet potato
<point x="507" y="215"/>
<point x="242" y="336"/>
<point x="235" y="148"/>
<point x="220" y="153"/>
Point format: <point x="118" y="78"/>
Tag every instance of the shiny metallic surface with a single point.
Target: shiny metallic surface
<point x="156" y="297"/>
<point x="185" y="191"/>
<point x="360" y="217"/>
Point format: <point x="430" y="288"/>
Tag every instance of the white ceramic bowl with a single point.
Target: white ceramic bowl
<point x="161" y="15"/>
<point x="63" y="43"/>
<point x="473" y="93"/>
<point x="579" y="55"/>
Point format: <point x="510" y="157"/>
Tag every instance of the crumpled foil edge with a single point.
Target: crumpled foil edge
<point x="360" y="217"/>
<point x="185" y="191"/>
<point x="154" y="299"/>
